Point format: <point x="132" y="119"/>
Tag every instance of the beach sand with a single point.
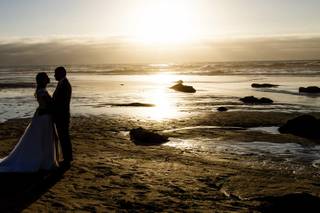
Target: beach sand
<point x="110" y="173"/>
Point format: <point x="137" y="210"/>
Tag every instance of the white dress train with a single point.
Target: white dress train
<point x="38" y="147"/>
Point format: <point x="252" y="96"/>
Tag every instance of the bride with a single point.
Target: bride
<point x="37" y="148"/>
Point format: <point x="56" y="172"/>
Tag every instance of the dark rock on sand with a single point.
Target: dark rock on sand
<point x="312" y="89"/>
<point x="306" y="126"/>
<point x="137" y="104"/>
<point x="254" y="100"/>
<point x="141" y="136"/>
<point x="222" y="109"/>
<point x="265" y="85"/>
<point x="183" y="88"/>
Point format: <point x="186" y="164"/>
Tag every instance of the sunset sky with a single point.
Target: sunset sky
<point x="138" y="31"/>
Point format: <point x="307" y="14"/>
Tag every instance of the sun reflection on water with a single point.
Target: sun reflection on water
<point x="164" y="106"/>
<point x="164" y="100"/>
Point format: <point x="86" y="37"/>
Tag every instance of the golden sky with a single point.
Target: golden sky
<point x="138" y="31"/>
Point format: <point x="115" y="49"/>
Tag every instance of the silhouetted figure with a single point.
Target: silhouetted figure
<point x="61" y="102"/>
<point x="36" y="149"/>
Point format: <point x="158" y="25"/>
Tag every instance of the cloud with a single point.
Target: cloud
<point x="266" y="48"/>
<point x="88" y="50"/>
<point x="58" y="51"/>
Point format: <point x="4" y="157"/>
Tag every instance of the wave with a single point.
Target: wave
<point x="208" y="68"/>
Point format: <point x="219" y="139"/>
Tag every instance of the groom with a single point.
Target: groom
<point x="61" y="103"/>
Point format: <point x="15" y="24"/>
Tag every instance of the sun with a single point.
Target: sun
<point x="165" y="22"/>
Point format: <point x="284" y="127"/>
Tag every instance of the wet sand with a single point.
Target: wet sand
<point x="111" y="173"/>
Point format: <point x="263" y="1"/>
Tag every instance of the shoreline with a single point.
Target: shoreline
<point x="111" y="173"/>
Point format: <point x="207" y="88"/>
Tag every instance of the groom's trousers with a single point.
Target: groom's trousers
<point x="62" y="124"/>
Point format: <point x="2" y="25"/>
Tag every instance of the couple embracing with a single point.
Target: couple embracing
<point x="38" y="147"/>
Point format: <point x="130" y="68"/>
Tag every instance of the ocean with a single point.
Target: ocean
<point x="101" y="89"/>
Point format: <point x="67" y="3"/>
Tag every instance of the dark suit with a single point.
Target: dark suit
<point x="61" y="114"/>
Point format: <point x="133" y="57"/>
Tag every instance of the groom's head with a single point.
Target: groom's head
<point x="60" y="73"/>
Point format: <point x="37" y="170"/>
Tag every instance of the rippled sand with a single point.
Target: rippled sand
<point x="223" y="174"/>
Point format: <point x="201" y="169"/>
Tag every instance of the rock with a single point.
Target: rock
<point x="264" y="100"/>
<point x="306" y="126"/>
<point x="265" y="85"/>
<point x="222" y="109"/>
<point x="312" y="89"/>
<point x="141" y="136"/>
<point x="16" y="85"/>
<point x="254" y="100"/>
<point x="183" y="88"/>
<point x="136" y="104"/>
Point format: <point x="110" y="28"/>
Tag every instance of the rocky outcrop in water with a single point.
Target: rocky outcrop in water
<point x="183" y="88"/>
<point x="265" y="85"/>
<point x="306" y="126"/>
<point x="17" y="85"/>
<point x="141" y="136"/>
<point x="222" y="109"/>
<point x="135" y="104"/>
<point x="311" y="89"/>
<point x="254" y="100"/>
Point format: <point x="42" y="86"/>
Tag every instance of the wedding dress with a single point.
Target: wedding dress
<point x="37" y="149"/>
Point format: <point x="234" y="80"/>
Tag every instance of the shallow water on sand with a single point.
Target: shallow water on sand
<point x="98" y="94"/>
<point x="270" y="155"/>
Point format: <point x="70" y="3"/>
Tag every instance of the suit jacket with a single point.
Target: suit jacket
<point x="61" y="99"/>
